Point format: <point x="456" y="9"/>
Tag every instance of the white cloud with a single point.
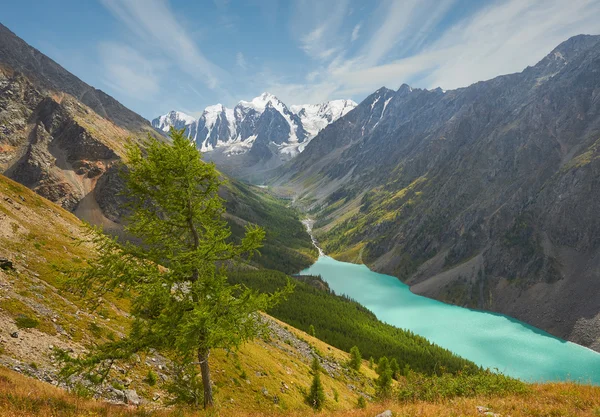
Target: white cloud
<point x="324" y="20"/>
<point x="241" y="61"/>
<point x="127" y="71"/>
<point x="355" y="32"/>
<point x="154" y="22"/>
<point x="501" y="38"/>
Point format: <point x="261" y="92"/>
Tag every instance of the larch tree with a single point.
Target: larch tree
<point x="355" y="358"/>
<point x="173" y="266"/>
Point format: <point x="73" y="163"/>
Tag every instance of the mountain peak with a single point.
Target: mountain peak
<point x="260" y="102"/>
<point x="176" y="119"/>
<point x="405" y="89"/>
<point x="215" y="108"/>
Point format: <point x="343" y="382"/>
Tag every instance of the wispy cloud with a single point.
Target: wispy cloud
<point x="407" y="44"/>
<point x="128" y="71"/>
<point x="355" y="32"/>
<point x="323" y="19"/>
<point x="154" y="21"/>
<point x="240" y="61"/>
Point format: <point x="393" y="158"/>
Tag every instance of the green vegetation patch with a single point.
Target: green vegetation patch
<point x="417" y="387"/>
<point x="344" y="323"/>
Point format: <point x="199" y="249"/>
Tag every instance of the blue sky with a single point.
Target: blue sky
<point x="159" y="55"/>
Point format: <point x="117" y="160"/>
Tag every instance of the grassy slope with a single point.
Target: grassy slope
<point x="39" y="237"/>
<point x="287" y="246"/>
<point x="564" y="399"/>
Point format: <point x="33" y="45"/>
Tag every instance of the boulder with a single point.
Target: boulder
<point x="6" y="265"/>
<point x="131" y="397"/>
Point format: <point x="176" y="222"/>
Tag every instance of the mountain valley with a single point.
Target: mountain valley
<point x="485" y="196"/>
<point x="421" y="252"/>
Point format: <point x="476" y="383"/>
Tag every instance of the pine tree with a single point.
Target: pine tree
<point x="311" y="331"/>
<point x="316" y="395"/>
<point x="394" y="368"/>
<point x="355" y="358"/>
<point x="371" y="362"/>
<point x="384" y="381"/>
<point x="174" y="274"/>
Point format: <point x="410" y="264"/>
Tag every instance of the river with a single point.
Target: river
<point x="492" y="340"/>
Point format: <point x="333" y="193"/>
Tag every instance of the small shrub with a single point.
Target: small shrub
<point x="81" y="390"/>
<point x="336" y="396"/>
<point x="361" y="403"/>
<point x="26" y="322"/>
<point x="151" y="378"/>
<point x="418" y="387"/>
<point x="96" y="330"/>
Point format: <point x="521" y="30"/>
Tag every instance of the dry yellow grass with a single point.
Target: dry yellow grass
<point x="25" y="397"/>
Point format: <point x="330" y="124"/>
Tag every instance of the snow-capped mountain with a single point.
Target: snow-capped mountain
<point x="315" y="117"/>
<point x="262" y="126"/>
<point x="175" y="119"/>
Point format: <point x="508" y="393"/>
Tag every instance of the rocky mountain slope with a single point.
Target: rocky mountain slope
<point x="17" y="55"/>
<point x="485" y="196"/>
<point x="64" y="140"/>
<point x="58" y="135"/>
<point x="255" y="136"/>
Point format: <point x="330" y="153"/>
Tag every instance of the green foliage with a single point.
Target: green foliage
<point x="371" y="362"/>
<point x="287" y="247"/>
<point x="344" y="323"/>
<point x="418" y="387"/>
<point x="384" y="381"/>
<point x="95" y="329"/>
<point x="26" y="322"/>
<point x="336" y="395"/>
<point x="151" y="378"/>
<point x="311" y="331"/>
<point x="174" y="274"/>
<point x="394" y="368"/>
<point x="355" y="358"/>
<point x="361" y="402"/>
<point x="316" y="395"/>
<point x="185" y="386"/>
<point x="82" y="391"/>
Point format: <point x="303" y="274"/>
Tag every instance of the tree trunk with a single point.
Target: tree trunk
<point x="206" y="383"/>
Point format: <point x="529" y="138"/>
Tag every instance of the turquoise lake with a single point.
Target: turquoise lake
<point x="490" y="340"/>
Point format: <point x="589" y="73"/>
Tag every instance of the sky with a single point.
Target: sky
<point x="160" y="55"/>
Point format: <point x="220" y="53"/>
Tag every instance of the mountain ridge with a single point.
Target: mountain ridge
<point x="47" y="73"/>
<point x="219" y="126"/>
<point x="480" y="196"/>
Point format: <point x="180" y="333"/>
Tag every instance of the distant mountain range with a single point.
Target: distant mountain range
<point x="486" y="196"/>
<point x="265" y="128"/>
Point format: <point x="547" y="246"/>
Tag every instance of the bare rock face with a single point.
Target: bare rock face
<point x="486" y="196"/>
<point x="47" y="150"/>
